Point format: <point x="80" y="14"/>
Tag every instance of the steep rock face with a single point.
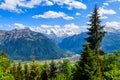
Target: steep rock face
<point x="75" y="43"/>
<point x="24" y="44"/>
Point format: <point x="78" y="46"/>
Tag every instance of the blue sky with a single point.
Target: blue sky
<point x="34" y="13"/>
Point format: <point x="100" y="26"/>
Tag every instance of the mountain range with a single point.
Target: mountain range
<point x="72" y="39"/>
<point x="57" y="33"/>
<point x="53" y="43"/>
<point x="24" y="44"/>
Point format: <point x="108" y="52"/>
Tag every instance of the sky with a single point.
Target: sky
<point x="53" y="13"/>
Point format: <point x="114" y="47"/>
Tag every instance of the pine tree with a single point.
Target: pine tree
<point x="52" y="70"/>
<point x="26" y="71"/>
<point x="44" y="74"/>
<point x="86" y="66"/>
<point x="66" y="68"/>
<point x="3" y="54"/>
<point x="14" y="71"/>
<point x="19" y="74"/>
<point x="96" y="34"/>
<point x="33" y="70"/>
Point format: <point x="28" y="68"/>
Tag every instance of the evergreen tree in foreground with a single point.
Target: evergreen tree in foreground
<point x="90" y="65"/>
<point x="44" y="73"/>
<point x="85" y="68"/>
<point x="52" y="70"/>
<point x="26" y="71"/>
<point x="96" y="34"/>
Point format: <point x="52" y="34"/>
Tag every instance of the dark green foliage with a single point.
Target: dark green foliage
<point x="13" y="71"/>
<point x="96" y="34"/>
<point x="4" y="62"/>
<point x="45" y="70"/>
<point x="5" y="68"/>
<point x="3" y="54"/>
<point x="52" y="69"/>
<point x="112" y="66"/>
<point x="26" y="71"/>
<point x="86" y="67"/>
<point x="19" y="74"/>
<point x="65" y="67"/>
<point x="34" y="71"/>
<point x="90" y="65"/>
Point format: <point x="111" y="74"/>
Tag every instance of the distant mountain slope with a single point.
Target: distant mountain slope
<point x="23" y="44"/>
<point x="75" y="43"/>
<point x="111" y="41"/>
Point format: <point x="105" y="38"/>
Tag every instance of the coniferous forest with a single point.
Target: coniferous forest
<point x="93" y="64"/>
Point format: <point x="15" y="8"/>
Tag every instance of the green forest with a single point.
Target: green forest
<point x="93" y="64"/>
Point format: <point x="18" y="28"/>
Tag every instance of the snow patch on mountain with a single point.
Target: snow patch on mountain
<point x="58" y="31"/>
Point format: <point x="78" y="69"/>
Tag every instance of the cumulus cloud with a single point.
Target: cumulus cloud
<point x="106" y="11"/>
<point x="113" y="24"/>
<point x="19" y="26"/>
<point x="113" y="0"/>
<point x="77" y="14"/>
<point x="17" y="5"/>
<point x="71" y="4"/>
<point x="105" y="4"/>
<point x="52" y="14"/>
<point x="12" y="5"/>
<point x="48" y="3"/>
<point x="103" y="12"/>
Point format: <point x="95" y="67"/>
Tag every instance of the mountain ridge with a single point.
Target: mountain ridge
<point x="23" y="44"/>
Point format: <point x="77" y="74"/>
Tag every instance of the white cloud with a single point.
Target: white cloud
<point x="103" y="17"/>
<point x="49" y="3"/>
<point x="19" y="26"/>
<point x="12" y="5"/>
<point x="77" y="14"/>
<point x="106" y="11"/>
<point x="105" y="4"/>
<point x="113" y="0"/>
<point x="77" y="5"/>
<point x="29" y="4"/>
<point x="103" y="12"/>
<point x="113" y="24"/>
<point x="52" y="14"/>
<point x="71" y="4"/>
<point x="17" y="5"/>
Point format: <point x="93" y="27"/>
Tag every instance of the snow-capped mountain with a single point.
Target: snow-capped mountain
<point x="57" y="33"/>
